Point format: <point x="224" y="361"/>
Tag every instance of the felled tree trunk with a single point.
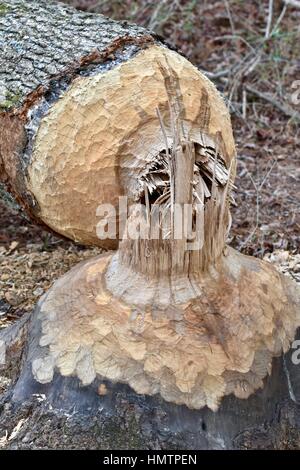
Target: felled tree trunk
<point x="45" y="47"/>
<point x="79" y="96"/>
<point x="175" y="327"/>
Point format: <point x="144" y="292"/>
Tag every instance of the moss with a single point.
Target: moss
<point x="114" y="435"/>
<point x="11" y="99"/>
<point x="3" y="9"/>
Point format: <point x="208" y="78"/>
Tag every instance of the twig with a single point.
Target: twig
<point x="279" y="19"/>
<point x="253" y="64"/>
<point x="243" y="72"/>
<point x="213" y="75"/>
<point x="267" y="175"/>
<point x="269" y="20"/>
<point x="244" y="110"/>
<point x="250" y="62"/>
<point x="235" y="110"/>
<point x="235" y="37"/>
<point x="153" y="20"/>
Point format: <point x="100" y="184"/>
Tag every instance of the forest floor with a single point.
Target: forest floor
<point x="259" y="75"/>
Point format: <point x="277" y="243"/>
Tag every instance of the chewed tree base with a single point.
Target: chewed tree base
<point x="85" y="352"/>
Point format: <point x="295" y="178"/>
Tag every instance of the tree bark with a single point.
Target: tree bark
<point x="44" y="46"/>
